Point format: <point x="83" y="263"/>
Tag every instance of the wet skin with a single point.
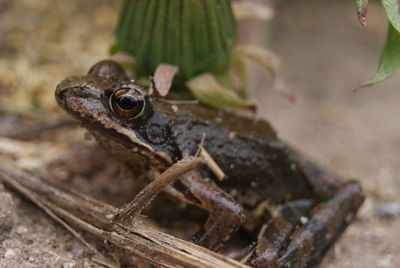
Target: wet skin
<point x="303" y="207"/>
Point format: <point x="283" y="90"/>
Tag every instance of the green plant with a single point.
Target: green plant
<point x="192" y="42"/>
<point x="390" y="56"/>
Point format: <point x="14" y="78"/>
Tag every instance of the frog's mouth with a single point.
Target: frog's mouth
<point x="87" y="104"/>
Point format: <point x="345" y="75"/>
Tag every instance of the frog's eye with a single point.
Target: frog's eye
<point x="128" y="103"/>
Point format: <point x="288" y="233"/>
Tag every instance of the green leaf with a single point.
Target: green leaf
<point x="361" y="7"/>
<point x="392" y="9"/>
<point x="390" y="57"/>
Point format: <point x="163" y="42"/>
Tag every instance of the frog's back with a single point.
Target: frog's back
<point x="257" y="129"/>
<point x="258" y="166"/>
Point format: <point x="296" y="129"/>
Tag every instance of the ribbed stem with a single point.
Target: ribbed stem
<point x="195" y="35"/>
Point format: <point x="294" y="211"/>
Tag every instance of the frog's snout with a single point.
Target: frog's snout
<point x="62" y="92"/>
<point x="67" y="88"/>
<point x="75" y="96"/>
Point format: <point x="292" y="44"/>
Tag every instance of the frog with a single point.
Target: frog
<point x="298" y="208"/>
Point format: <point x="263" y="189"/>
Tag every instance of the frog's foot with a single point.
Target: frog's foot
<point x="273" y="236"/>
<point x="225" y="214"/>
<point x="328" y="220"/>
<point x="307" y="244"/>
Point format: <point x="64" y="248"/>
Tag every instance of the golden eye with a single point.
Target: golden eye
<point x="128" y="103"/>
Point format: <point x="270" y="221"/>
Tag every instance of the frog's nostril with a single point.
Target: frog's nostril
<point x="60" y="95"/>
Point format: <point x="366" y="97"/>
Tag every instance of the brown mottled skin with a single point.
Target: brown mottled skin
<point x="313" y="207"/>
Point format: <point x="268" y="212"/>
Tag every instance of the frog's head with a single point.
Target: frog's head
<point x="119" y="113"/>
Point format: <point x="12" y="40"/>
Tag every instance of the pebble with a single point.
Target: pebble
<point x="21" y="229"/>
<point x="174" y="108"/>
<point x="69" y="265"/>
<point x="388" y="209"/>
<point x="10" y="254"/>
<point x="69" y="255"/>
<point x="78" y="250"/>
<point x="303" y="220"/>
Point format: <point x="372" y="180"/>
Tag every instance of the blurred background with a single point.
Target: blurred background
<point x="325" y="54"/>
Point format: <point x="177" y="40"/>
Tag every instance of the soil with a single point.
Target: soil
<point x="325" y="54"/>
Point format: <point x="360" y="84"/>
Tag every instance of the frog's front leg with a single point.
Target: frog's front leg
<point x="307" y="244"/>
<point x="225" y="214"/>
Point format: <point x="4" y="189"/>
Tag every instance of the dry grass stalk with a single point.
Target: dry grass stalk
<point x="75" y="210"/>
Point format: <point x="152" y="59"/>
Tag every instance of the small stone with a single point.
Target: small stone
<point x="231" y="135"/>
<point x="303" y="220"/>
<point x="21" y="229"/>
<point x="69" y="255"/>
<point x="10" y="254"/>
<point x="174" y="108"/>
<point x="110" y="216"/>
<point x="386" y="261"/>
<point x="69" y="265"/>
<point x="389" y="209"/>
<point x="78" y="250"/>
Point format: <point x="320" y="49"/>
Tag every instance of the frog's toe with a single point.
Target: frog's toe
<point x="273" y="237"/>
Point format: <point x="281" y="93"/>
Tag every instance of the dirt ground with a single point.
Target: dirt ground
<point x="325" y="53"/>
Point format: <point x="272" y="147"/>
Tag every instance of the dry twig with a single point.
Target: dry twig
<point x="95" y="217"/>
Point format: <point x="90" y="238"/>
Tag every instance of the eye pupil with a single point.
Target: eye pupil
<point x="127" y="102"/>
